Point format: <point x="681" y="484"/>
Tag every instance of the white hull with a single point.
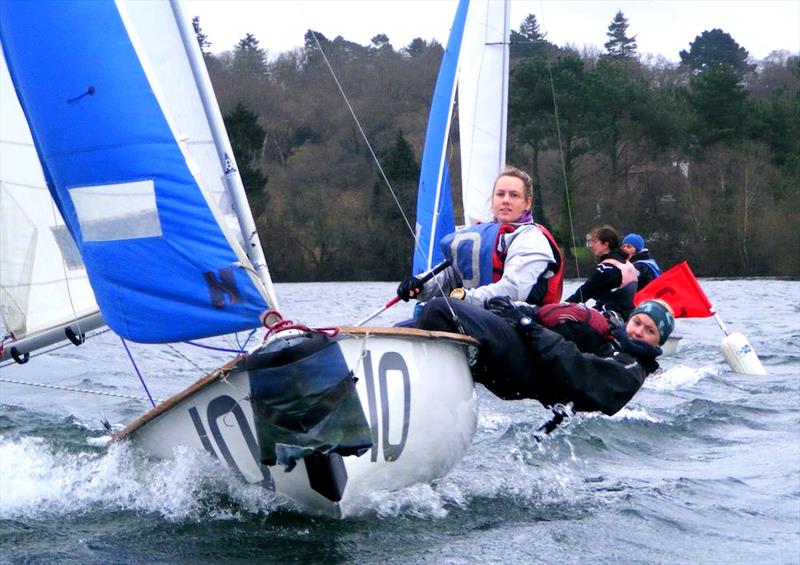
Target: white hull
<point x="420" y="405"/>
<point x="671" y="345"/>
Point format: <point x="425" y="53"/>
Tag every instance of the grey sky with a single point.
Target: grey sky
<point x="662" y="27"/>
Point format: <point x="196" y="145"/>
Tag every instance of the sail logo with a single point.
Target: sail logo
<point x="219" y="288"/>
<point x="228" y="165"/>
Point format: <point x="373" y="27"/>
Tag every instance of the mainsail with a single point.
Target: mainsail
<point x="135" y="158"/>
<point x="475" y="64"/>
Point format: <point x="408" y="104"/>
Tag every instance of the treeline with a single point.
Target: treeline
<point x="702" y="158"/>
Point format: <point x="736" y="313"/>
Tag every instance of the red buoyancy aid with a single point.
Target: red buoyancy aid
<point x="555" y="284"/>
<point x="586" y="327"/>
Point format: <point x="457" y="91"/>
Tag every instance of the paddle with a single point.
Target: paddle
<point x="432" y="273"/>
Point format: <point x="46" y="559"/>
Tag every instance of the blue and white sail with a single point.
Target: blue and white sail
<point x="434" y="202"/>
<point x="475" y="65"/>
<point x="133" y="153"/>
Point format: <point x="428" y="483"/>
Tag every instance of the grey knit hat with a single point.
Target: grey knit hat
<point x="660" y="312"/>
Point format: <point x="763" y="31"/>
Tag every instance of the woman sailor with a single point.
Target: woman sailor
<point x="613" y="281"/>
<point x="519" y="357"/>
<point x="510" y="256"/>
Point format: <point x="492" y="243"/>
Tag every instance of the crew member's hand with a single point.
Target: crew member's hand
<point x="519" y="316"/>
<point x="409" y="287"/>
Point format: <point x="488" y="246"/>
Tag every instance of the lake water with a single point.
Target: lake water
<point x="703" y="466"/>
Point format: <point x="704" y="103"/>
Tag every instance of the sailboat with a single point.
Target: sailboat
<point x="121" y="205"/>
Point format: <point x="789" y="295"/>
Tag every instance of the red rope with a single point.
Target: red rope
<point x="6" y="338"/>
<point x="280" y="325"/>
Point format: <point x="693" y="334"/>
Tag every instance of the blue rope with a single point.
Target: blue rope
<point x="242" y="347"/>
<point x="212" y="348"/>
<point x="128" y="351"/>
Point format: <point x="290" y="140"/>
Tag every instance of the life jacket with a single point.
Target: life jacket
<point x="651" y="264"/>
<point x="549" y="290"/>
<point x="478" y="254"/>
<point x="620" y="299"/>
<point x="471" y="252"/>
<point x="587" y="328"/>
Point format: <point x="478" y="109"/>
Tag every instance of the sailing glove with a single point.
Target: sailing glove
<point x="521" y="317"/>
<point x="409" y="287"/>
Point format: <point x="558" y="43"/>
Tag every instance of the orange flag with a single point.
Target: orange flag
<point x="679" y="288"/>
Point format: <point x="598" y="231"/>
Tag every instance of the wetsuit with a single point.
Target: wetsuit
<point x="534" y="362"/>
<point x="612" y="284"/>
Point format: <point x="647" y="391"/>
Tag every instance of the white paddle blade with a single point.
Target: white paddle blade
<point x="739" y="354"/>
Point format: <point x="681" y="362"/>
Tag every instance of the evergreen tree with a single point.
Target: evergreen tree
<point x="529" y="41"/>
<point x="715" y="47"/>
<point x="202" y="38"/>
<point x="415" y="48"/>
<point x="249" y="58"/>
<point x="247" y="140"/>
<point x="718" y="99"/>
<point x="619" y="45"/>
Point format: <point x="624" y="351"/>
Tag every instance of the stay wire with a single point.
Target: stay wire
<point x="561" y="154"/>
<point x="375" y="158"/>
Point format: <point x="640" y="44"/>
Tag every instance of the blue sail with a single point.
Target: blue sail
<point x="161" y="264"/>
<point x="434" y="202"/>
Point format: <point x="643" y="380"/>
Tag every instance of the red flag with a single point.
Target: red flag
<point x="679" y="288"/>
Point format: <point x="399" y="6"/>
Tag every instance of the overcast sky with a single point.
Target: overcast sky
<point x="661" y="27"/>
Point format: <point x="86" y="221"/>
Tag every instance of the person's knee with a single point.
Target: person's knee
<point x="436" y="316"/>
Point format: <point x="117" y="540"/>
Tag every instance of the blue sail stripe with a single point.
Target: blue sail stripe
<point x="436" y="221"/>
<point x="96" y="121"/>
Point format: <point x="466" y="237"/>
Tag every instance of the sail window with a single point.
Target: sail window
<point x="117" y="211"/>
<point x="69" y="251"/>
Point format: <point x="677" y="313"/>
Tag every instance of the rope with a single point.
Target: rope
<point x="141" y="379"/>
<point x="71" y="389"/>
<point x="280" y="325"/>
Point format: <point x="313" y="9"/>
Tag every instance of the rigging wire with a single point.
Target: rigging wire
<point x="561" y="153"/>
<point x="73" y="389"/>
<point x="377" y="162"/>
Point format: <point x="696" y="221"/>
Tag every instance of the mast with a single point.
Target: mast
<point x="233" y="181"/>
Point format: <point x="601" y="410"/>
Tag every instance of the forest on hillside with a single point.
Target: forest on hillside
<point x="702" y="158"/>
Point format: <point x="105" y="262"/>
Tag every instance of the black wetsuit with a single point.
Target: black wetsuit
<point x="538" y="363"/>
<point x="603" y="285"/>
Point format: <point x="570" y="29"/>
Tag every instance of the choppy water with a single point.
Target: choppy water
<point x="703" y="466"/>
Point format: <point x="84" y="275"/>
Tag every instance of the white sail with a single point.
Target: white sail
<point x="482" y="105"/>
<point x="43" y="282"/>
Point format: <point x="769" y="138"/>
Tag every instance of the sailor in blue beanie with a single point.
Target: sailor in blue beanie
<point x="659" y="326"/>
<point x="634" y="240"/>
<point x="633" y="248"/>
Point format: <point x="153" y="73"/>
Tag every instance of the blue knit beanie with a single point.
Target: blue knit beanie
<point x="660" y="312"/>
<point x="634" y="239"/>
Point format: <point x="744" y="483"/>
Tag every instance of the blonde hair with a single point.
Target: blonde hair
<point x="527" y="181"/>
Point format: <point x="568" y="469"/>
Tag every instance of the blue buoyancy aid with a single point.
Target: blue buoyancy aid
<point x="470" y="251"/>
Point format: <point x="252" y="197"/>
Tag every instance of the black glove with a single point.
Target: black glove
<point x="518" y="316"/>
<point x="409" y="287"/>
